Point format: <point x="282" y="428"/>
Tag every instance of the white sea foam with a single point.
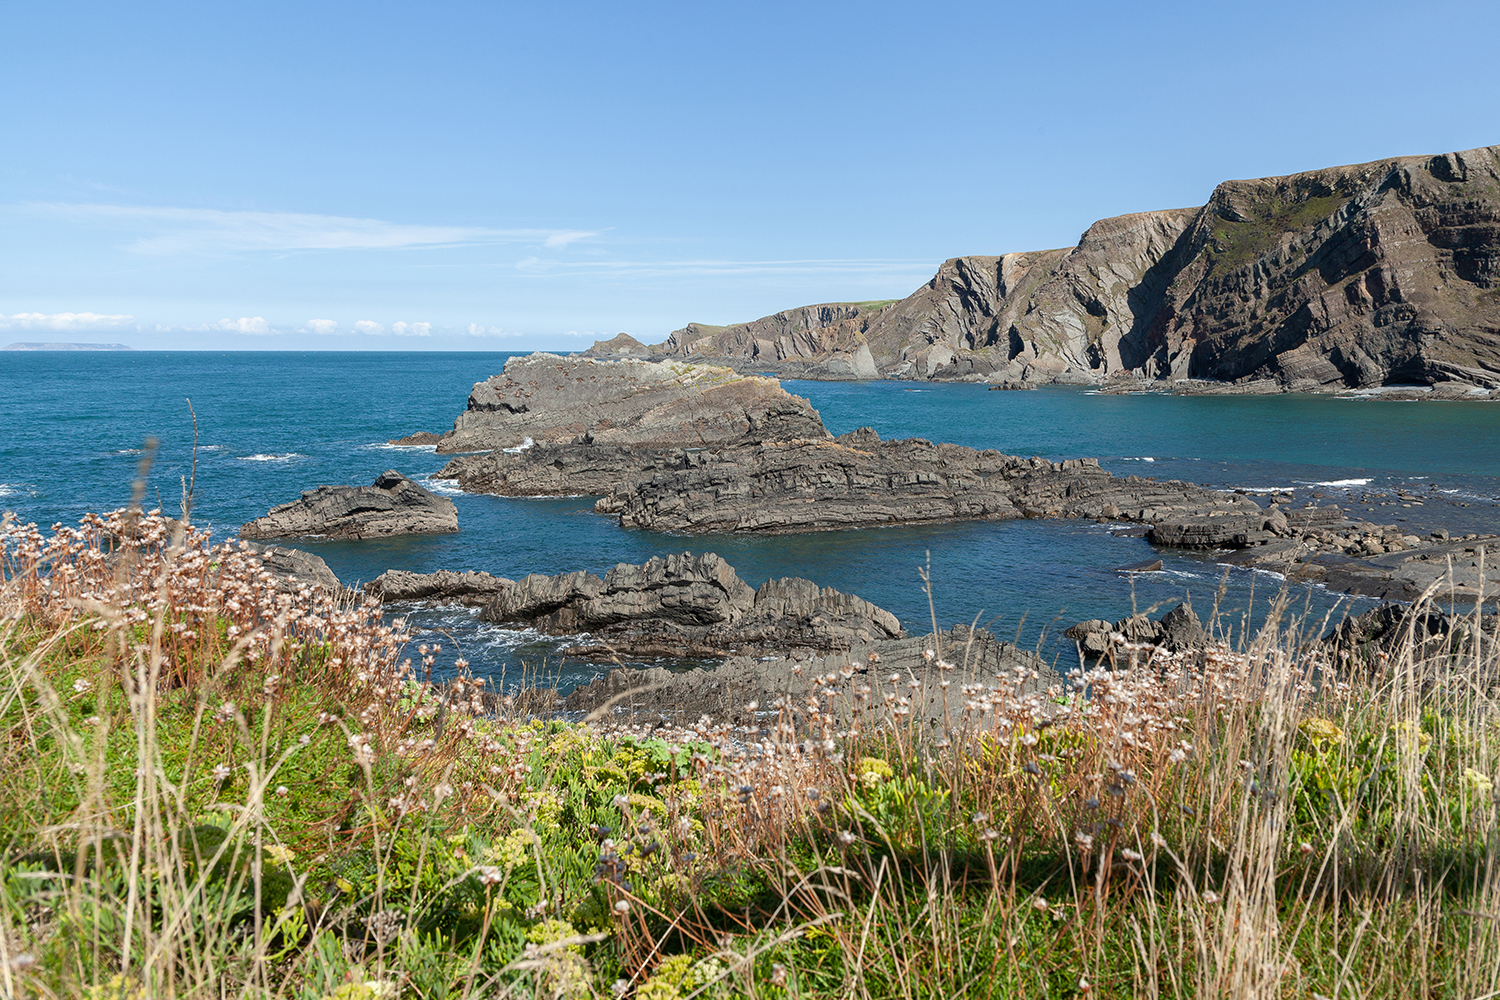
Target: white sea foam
<point x="527" y="443"/>
<point x="1343" y="482"/>
<point x="1266" y="489"/>
<point x="448" y="486"/>
<point x="389" y="446"/>
<point x="17" y="489"/>
<point x="210" y="447"/>
<point x="1139" y="458"/>
<point x="271" y="458"/>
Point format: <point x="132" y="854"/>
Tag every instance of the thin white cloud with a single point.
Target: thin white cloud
<point x="559" y="240"/>
<point x="401" y="329"/>
<point x="62" y="321"/>
<point x="480" y="330"/>
<point x="165" y="230"/>
<point x="368" y="326"/>
<point x="322" y="326"/>
<point x="245" y="324"/>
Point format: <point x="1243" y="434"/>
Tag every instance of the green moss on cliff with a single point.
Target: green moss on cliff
<point x="1237" y="243"/>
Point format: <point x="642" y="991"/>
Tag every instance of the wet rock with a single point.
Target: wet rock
<point x="394" y="505"/>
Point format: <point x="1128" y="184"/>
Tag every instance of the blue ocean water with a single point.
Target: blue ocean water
<point x="273" y="424"/>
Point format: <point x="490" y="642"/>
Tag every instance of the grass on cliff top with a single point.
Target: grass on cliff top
<point x="211" y="787"/>
<point x="1236" y="244"/>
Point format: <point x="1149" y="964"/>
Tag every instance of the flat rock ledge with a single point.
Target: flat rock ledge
<point x="394" y="505"/>
<point x="745" y="691"/>
<point x="688" y="606"/>
<point x="858" y="480"/>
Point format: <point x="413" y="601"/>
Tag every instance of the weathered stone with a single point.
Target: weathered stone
<point x="547" y="399"/>
<point x="444" y="586"/>
<point x="294" y="568"/>
<point x="686" y="605"/>
<point x="394" y="505"/>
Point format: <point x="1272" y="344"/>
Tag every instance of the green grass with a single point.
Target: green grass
<point x="1236" y="244"/>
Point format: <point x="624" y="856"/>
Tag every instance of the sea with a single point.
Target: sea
<point x="256" y="429"/>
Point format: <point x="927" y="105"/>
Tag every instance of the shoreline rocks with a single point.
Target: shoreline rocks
<point x="444" y="586"/>
<point x="393" y="505"/>
<point x="688" y="606"/>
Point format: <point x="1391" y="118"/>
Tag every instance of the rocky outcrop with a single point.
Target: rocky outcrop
<point x="443" y="587"/>
<point x="686" y="605"/>
<point x="294" y="568"/>
<point x="573" y="469"/>
<point x="394" y="505"/>
<point x="546" y="399"/>
<point x="621" y="345"/>
<point x="1176" y="631"/>
<point x="984" y="669"/>
<point x="1381" y="561"/>
<point x="857" y="480"/>
<point x="1365" y="275"/>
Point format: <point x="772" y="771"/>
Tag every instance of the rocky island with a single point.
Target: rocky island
<point x="393" y="505"/>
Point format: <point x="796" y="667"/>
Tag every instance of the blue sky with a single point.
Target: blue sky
<point x="503" y="176"/>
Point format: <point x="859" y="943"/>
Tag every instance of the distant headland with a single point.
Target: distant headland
<point x="66" y="347"/>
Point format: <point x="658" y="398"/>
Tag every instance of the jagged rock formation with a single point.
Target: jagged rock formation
<point x="686" y="605"/>
<point x="444" y="586"/>
<point x="1377" y="273"/>
<point x="394" y="505"/>
<point x="984" y="670"/>
<point x="857" y="480"/>
<point x="547" y="399"/>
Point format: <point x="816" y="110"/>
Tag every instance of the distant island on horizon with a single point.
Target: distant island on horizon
<point x="66" y="347"/>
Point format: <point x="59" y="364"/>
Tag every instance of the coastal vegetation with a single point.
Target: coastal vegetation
<point x="216" y="784"/>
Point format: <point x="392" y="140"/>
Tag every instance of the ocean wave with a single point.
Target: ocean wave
<point x="271" y="458"/>
<point x="526" y="443"/>
<point x="448" y="486"/>
<point x="1267" y="489"/>
<point x="210" y="447"/>
<point x="1140" y="458"/>
<point x="389" y="446"/>
<point x="126" y="451"/>
<point x="1342" y="482"/>
<point x="18" y="489"/>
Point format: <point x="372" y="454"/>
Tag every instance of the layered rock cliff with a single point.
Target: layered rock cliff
<point x="1373" y="274"/>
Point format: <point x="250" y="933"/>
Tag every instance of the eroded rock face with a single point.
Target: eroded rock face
<point x="546" y="399"/>
<point x="1176" y="631"/>
<point x="687" y="605"/>
<point x="1353" y="276"/>
<point x="393" y="505"/>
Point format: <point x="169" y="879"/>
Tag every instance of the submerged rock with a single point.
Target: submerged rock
<point x="394" y="505"/>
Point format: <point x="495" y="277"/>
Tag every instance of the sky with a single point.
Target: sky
<point x="498" y="176"/>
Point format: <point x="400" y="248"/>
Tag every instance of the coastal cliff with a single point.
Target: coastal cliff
<point x="1348" y="277"/>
